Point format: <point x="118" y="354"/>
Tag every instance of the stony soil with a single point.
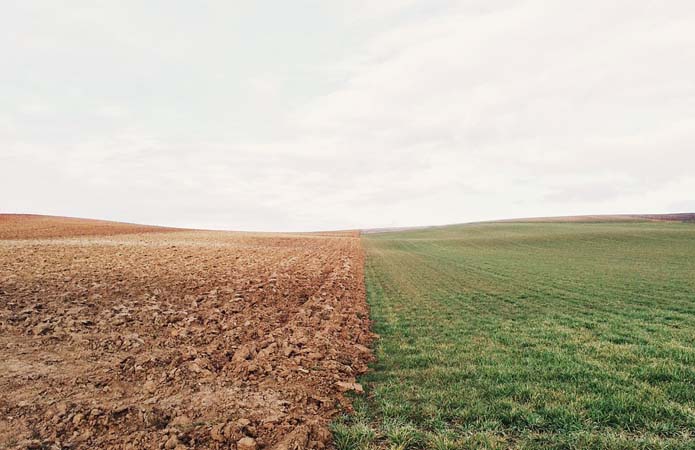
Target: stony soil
<point x="181" y="339"/>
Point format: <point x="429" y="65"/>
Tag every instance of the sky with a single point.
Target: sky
<point x="337" y="114"/>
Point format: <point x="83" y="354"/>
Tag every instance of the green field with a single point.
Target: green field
<point x="521" y="335"/>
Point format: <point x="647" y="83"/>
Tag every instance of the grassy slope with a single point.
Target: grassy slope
<point x="531" y="336"/>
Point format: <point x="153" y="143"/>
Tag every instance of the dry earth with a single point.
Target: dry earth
<point x="31" y="226"/>
<point x="176" y="339"/>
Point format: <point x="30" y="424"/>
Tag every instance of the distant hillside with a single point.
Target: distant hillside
<point x="595" y="218"/>
<point x="678" y="217"/>
<point x="32" y="226"/>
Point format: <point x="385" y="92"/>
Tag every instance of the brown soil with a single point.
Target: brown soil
<point x="185" y="339"/>
<point x="30" y="226"/>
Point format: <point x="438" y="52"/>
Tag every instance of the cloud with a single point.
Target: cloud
<point x="398" y="113"/>
<point x="587" y="99"/>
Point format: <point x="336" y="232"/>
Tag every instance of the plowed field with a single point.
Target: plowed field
<point x="177" y="339"/>
<point x="30" y="226"/>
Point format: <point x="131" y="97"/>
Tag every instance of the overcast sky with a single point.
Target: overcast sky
<point x="307" y="115"/>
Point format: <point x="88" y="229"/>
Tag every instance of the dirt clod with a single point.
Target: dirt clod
<point x="346" y="386"/>
<point x="246" y="443"/>
<point x="171" y="443"/>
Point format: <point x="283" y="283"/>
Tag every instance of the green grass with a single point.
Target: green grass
<point x="521" y="335"/>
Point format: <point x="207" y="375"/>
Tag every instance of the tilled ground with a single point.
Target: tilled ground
<point x="30" y="226"/>
<point x="185" y="339"/>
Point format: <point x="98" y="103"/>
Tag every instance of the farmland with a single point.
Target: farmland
<point x="124" y="336"/>
<point x="538" y="334"/>
<point x="529" y="335"/>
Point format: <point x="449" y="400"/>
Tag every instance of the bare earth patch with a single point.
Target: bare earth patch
<point x="31" y="226"/>
<point x="179" y="339"/>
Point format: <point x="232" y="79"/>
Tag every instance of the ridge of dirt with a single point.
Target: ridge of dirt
<point x="179" y="340"/>
<point x="33" y="226"/>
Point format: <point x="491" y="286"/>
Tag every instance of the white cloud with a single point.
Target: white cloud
<point x="366" y="114"/>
